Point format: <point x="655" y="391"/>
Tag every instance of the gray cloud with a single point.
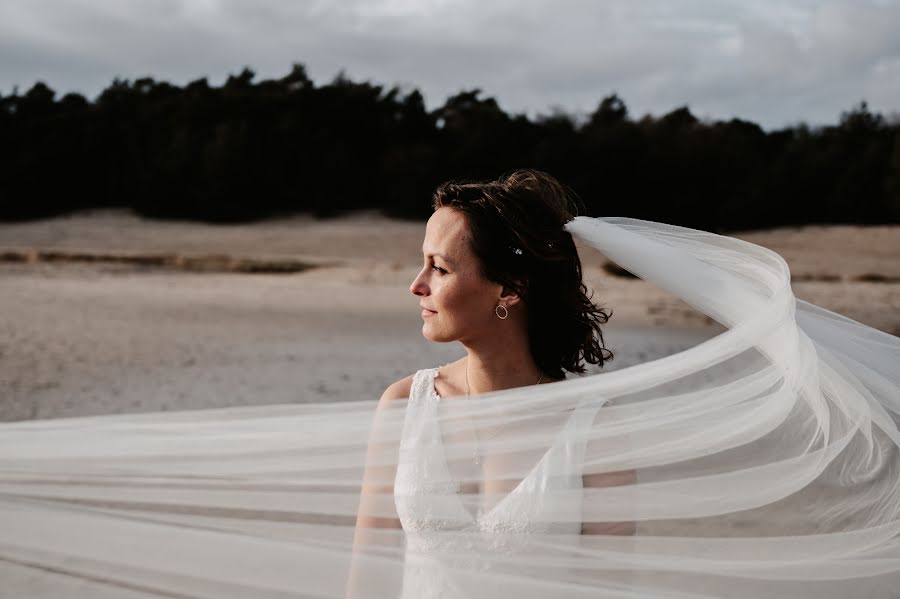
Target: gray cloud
<point x="771" y="61"/>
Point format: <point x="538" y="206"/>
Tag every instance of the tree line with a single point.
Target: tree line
<point x="256" y="149"/>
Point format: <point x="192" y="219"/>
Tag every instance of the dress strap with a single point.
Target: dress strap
<point x="422" y="399"/>
<point x="422" y="388"/>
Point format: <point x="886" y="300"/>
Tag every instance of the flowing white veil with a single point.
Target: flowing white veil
<point x="762" y="461"/>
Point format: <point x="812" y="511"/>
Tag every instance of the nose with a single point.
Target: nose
<point x="418" y="286"/>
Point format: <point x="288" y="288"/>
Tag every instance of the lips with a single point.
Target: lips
<point x="424" y="308"/>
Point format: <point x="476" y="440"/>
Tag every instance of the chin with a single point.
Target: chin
<point x="433" y="336"/>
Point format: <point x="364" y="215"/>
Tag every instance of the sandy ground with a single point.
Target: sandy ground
<point x="89" y="338"/>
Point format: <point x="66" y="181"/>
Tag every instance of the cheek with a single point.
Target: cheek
<point x="463" y="300"/>
<point x="442" y="295"/>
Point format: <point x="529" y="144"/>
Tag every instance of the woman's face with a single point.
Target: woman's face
<point x="458" y="302"/>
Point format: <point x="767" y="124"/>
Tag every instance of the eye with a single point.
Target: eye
<point x="439" y="269"/>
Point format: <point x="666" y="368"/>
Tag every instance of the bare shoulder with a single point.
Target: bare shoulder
<point x="398" y="389"/>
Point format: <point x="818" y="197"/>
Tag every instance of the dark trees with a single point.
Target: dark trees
<point x="252" y="149"/>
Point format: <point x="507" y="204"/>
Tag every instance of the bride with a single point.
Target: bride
<point x="501" y="276"/>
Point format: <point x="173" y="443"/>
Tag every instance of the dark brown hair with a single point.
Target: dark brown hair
<point x="516" y="232"/>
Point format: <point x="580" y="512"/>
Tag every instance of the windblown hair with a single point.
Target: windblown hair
<point x="516" y="232"/>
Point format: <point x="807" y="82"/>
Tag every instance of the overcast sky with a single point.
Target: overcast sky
<point x="775" y="62"/>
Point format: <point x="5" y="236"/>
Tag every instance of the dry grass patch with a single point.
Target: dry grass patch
<point x="193" y="263"/>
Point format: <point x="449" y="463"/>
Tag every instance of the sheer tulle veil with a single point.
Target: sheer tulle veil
<point x="762" y="461"/>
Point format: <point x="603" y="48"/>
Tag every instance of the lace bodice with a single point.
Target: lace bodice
<point x="429" y="503"/>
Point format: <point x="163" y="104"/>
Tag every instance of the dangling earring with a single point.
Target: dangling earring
<point x="505" y="312"/>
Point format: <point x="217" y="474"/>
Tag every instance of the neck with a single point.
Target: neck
<point x="497" y="366"/>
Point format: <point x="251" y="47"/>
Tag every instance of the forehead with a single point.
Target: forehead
<point x="446" y="233"/>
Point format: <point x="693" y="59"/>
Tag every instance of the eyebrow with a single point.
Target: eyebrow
<point x="442" y="257"/>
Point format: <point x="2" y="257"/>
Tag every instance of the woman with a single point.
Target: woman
<point x="501" y="276"/>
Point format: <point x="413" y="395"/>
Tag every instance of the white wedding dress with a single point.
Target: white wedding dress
<point x="429" y="503"/>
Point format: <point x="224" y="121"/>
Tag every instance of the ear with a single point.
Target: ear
<point x="508" y="296"/>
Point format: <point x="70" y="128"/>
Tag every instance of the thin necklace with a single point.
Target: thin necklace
<point x="476" y="453"/>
